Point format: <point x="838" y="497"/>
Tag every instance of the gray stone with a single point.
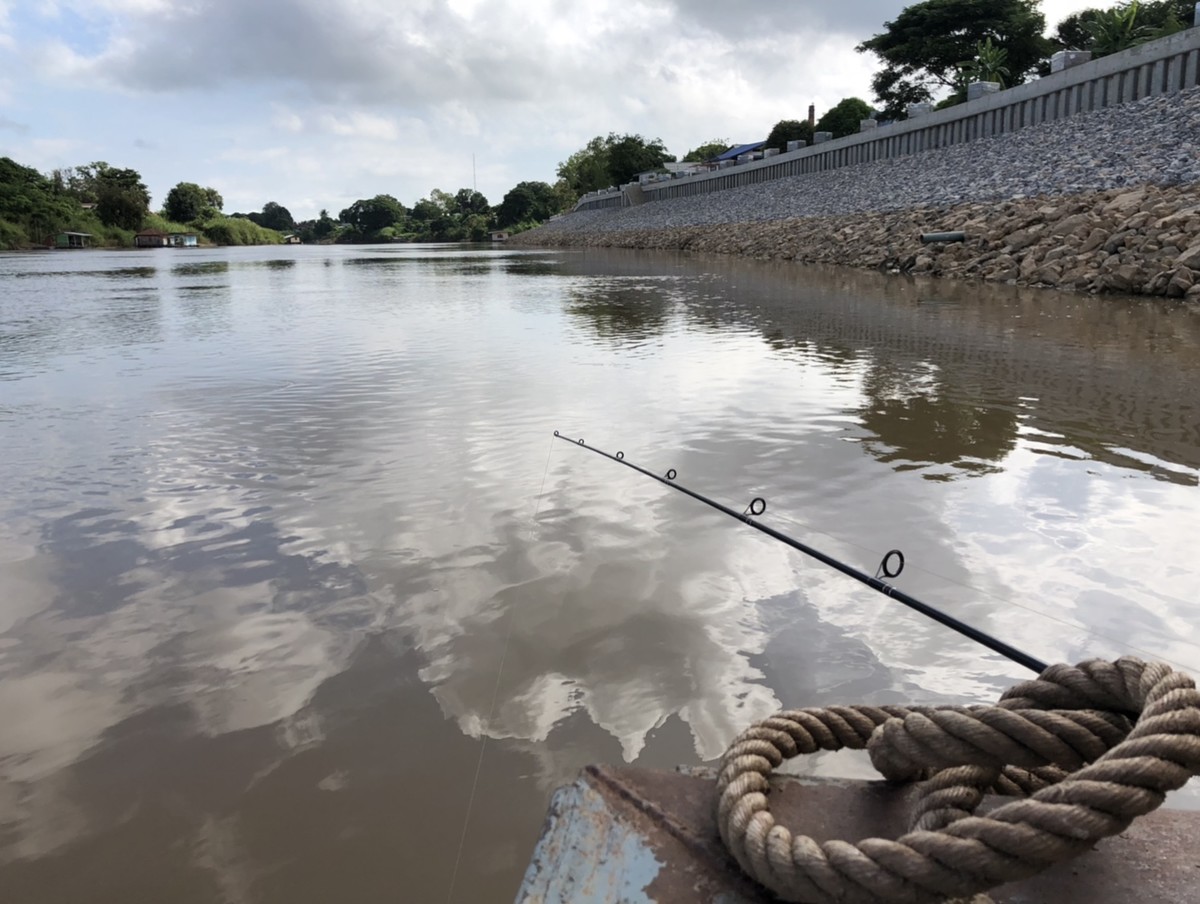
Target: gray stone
<point x="1181" y="280"/>
<point x="822" y="137"/>
<point x="1130" y="145"/>
<point x="1190" y="258"/>
<point x="865" y="125"/>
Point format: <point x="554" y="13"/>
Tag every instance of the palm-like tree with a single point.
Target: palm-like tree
<point x="988" y="65"/>
<point x="1118" y="29"/>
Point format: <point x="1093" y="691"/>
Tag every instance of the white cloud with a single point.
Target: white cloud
<point x="409" y="91"/>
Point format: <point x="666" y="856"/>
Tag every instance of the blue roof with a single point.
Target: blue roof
<point x="732" y="153"/>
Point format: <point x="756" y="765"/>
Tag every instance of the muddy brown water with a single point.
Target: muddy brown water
<point x="300" y="600"/>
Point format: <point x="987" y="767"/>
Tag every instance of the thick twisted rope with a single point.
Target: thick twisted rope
<point x="1093" y="745"/>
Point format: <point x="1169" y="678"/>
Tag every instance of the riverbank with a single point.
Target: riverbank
<point x="1103" y="202"/>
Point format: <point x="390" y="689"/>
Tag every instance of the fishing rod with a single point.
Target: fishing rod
<point x="890" y="567"/>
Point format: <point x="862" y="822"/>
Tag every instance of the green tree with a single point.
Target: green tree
<point x="370" y="216"/>
<point x="789" y="130"/>
<point x="32" y="206"/>
<point x="845" y="117"/>
<point x="122" y="200"/>
<point x="706" y="151"/>
<point x="611" y="161"/>
<point x="923" y="49"/>
<point x="989" y="64"/>
<point x="1117" y="29"/>
<point x="468" y="201"/>
<point x="1074" y="32"/>
<point x="587" y="169"/>
<point x="1159" y="17"/>
<point x="187" y="202"/>
<point x="527" y="202"/>
<point x="629" y="155"/>
<point x="324" y="226"/>
<point x="274" y="216"/>
<point x="432" y="220"/>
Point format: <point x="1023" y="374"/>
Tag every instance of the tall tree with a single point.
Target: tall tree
<point x="527" y="202"/>
<point x="122" y="199"/>
<point x="610" y="161"/>
<point x="369" y="216"/>
<point x="587" y="169"/>
<point x="923" y="49"/>
<point x="629" y="155"/>
<point x="274" y="216"/>
<point x="789" y="130"/>
<point x="467" y="201"/>
<point x="845" y="117"/>
<point x="324" y="226"/>
<point x="188" y="201"/>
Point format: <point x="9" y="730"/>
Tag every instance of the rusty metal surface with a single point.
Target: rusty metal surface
<point x="636" y="835"/>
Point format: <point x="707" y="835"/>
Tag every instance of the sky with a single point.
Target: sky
<point x="316" y="103"/>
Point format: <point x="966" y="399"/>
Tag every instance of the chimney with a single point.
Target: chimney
<point x="812" y="114"/>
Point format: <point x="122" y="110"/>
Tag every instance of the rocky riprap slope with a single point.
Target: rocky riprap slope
<point x="1104" y="202"/>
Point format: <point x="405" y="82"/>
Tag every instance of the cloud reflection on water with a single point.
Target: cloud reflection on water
<point x="311" y="542"/>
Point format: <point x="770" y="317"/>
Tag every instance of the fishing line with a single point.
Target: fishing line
<point x="541" y="489"/>
<point x="462" y="842"/>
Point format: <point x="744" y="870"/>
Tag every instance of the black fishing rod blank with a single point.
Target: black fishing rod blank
<point x="890" y="567"/>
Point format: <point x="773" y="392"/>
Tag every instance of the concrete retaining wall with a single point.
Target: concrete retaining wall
<point x="1164" y="66"/>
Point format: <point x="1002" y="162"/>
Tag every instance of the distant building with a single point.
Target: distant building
<point x="753" y="149"/>
<point x="291" y="239"/>
<point x="69" y="240"/>
<point x="151" y="238"/>
<point x="499" y="236"/>
<point x="156" y="238"/>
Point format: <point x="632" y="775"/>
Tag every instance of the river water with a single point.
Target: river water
<point x="301" y="601"/>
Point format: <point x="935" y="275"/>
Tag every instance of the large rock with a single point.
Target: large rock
<point x="1190" y="258"/>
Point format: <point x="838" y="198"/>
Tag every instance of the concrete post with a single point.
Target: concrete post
<point x="865" y="125"/>
<point x="822" y="137"/>
<point x="976" y="90"/>
<point x="1065" y="59"/>
<point x="915" y="110"/>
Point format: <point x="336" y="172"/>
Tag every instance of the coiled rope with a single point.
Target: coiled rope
<point x="1093" y="746"/>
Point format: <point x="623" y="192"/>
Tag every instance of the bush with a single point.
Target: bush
<point x="238" y="231"/>
<point x="12" y="237"/>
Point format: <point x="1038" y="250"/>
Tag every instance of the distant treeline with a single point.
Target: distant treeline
<point x="113" y="204"/>
<point x="110" y="203"/>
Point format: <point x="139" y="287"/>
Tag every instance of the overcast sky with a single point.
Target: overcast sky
<point x="316" y="103"/>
